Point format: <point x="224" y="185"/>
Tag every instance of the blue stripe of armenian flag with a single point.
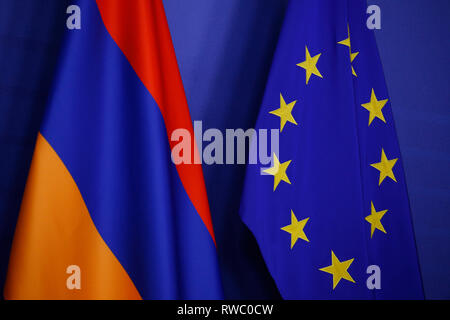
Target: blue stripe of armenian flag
<point x="102" y="191"/>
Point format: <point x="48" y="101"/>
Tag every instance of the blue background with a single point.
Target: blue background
<point x="224" y="50"/>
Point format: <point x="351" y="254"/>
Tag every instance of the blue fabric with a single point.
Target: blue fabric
<point x="412" y="31"/>
<point x="108" y="131"/>
<point x="29" y="47"/>
<point x="331" y="148"/>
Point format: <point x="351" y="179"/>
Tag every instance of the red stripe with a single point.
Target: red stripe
<point x="140" y="29"/>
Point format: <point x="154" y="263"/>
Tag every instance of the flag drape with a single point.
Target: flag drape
<point x="103" y="193"/>
<point x="331" y="213"/>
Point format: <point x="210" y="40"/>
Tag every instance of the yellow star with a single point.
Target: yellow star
<point x="375" y="219"/>
<point x="285" y="112"/>
<point x="347" y="42"/>
<point x="352" y="57"/>
<point x="338" y="269"/>
<point x="310" y="65"/>
<point x="278" y="171"/>
<point x="296" y="229"/>
<point x="385" y="167"/>
<point x="374" y="106"/>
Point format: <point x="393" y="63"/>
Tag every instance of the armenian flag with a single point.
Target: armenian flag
<point x="103" y="196"/>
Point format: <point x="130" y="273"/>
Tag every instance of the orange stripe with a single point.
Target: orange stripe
<point x="140" y="29"/>
<point x="55" y="230"/>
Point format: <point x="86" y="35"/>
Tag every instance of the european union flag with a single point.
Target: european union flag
<point x="331" y="213"/>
